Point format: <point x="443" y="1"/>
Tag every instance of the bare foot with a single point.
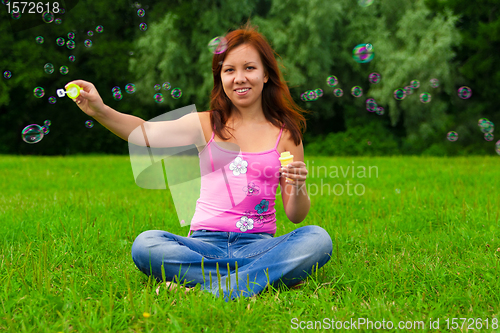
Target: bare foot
<point x="171" y="286"/>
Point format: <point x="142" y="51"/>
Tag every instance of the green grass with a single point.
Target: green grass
<point x="430" y="251"/>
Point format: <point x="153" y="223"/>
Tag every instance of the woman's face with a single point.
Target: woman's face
<point x="243" y="76"/>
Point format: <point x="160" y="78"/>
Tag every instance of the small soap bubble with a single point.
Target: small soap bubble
<point x="72" y="58"/>
<point x="166" y="85"/>
<point x="217" y="45"/>
<point x="425" y="97"/>
<point x="399" y="94"/>
<point x="87" y="43"/>
<point x="48" y="17"/>
<point x="89" y="124"/>
<point x="398" y="191"/>
<point x="374" y="78"/>
<point x="176" y="93"/>
<point x="58" y="21"/>
<point x="357" y="91"/>
<point x="319" y="92"/>
<point x="7" y="74"/>
<point x="488" y="136"/>
<point x="464" y="92"/>
<point x="363" y="54"/>
<point x="311" y="96"/>
<point x="5" y="2"/>
<point x="47" y="122"/>
<point x="117" y="95"/>
<point x="415" y="84"/>
<point x="90" y="33"/>
<point x="338" y="92"/>
<point x="141" y="12"/>
<point x="371" y="105"/>
<point x="487" y="127"/>
<point x="408" y="90"/>
<point x="48" y="68"/>
<point x="39" y="92"/>
<point x="380" y="111"/>
<point x="115" y="89"/>
<point x="130" y="88"/>
<point x="452" y="136"/>
<point x="434" y="83"/>
<point x="70" y="44"/>
<point x="365" y="3"/>
<point x="99" y="29"/>
<point x="16" y="15"/>
<point x="52" y="100"/>
<point x="481" y="121"/>
<point x="60" y="41"/>
<point x="143" y="26"/>
<point x="157" y="87"/>
<point x="332" y="81"/>
<point x="32" y="133"/>
<point x="39" y="40"/>
<point x="62" y="11"/>
<point x="158" y="97"/>
<point x="71" y="35"/>
<point x="45" y="130"/>
<point x="64" y="70"/>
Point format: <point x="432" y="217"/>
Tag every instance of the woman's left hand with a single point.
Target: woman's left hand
<point x="296" y="172"/>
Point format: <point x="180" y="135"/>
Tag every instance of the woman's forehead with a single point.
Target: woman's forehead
<point x="242" y="54"/>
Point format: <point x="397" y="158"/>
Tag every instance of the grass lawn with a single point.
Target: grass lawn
<point x="416" y="240"/>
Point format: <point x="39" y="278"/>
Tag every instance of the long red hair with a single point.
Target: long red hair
<point x="277" y="102"/>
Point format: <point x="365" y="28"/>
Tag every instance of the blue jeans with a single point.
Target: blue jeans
<point x="261" y="259"/>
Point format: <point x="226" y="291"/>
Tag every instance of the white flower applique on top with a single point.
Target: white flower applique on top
<point x="238" y="166"/>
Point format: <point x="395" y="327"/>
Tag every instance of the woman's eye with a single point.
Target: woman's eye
<point x="229" y="69"/>
<point x="250" y="67"/>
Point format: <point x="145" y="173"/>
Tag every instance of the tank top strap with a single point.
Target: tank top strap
<point x="279" y="136"/>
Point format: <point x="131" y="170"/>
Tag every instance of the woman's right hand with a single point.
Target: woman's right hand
<point x="89" y="100"/>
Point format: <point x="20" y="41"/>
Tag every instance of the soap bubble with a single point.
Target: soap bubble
<point x="39" y="40"/>
<point x="399" y="94"/>
<point x="87" y="43"/>
<point x="176" y="93"/>
<point x="374" y="78"/>
<point x="48" y="68"/>
<point x="89" y="124"/>
<point x="338" y="92"/>
<point x="408" y="90"/>
<point x="217" y="45"/>
<point x="71" y="35"/>
<point x="415" y="84"/>
<point x="62" y="11"/>
<point x="380" y="111"/>
<point x="141" y="12"/>
<point x="371" y="105"/>
<point x="115" y="89"/>
<point x="117" y="95"/>
<point x="143" y="26"/>
<point x="72" y="58"/>
<point x="16" y="15"/>
<point x="32" y="133"/>
<point x="99" y="29"/>
<point x="52" y="100"/>
<point x="332" y="81"/>
<point x="319" y="92"/>
<point x="166" y="85"/>
<point x="7" y="74"/>
<point x="363" y="53"/>
<point x="464" y="92"/>
<point x="45" y="130"/>
<point x="425" y="97"/>
<point x="90" y="33"/>
<point x="48" y="17"/>
<point x="70" y="44"/>
<point x="130" y="88"/>
<point x="357" y="91"/>
<point x="488" y="136"/>
<point x="64" y="70"/>
<point x="452" y="136"/>
<point x="39" y="92"/>
<point x="487" y="127"/>
<point x="398" y="191"/>
<point x="158" y="97"/>
<point x="365" y="3"/>
<point x="481" y="121"/>
<point x="434" y="83"/>
<point x="157" y="87"/>
<point x="47" y="122"/>
<point x="60" y="41"/>
<point x="58" y="21"/>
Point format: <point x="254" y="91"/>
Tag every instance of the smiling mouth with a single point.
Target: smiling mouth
<point x="242" y="90"/>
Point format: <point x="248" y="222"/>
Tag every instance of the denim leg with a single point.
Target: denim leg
<point x="289" y="258"/>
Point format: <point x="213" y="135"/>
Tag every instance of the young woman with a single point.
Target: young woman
<point x="251" y="107"/>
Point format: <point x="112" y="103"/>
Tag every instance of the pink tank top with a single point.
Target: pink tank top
<point x="238" y="190"/>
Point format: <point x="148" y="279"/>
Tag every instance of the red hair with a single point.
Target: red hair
<point x="277" y="102"/>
